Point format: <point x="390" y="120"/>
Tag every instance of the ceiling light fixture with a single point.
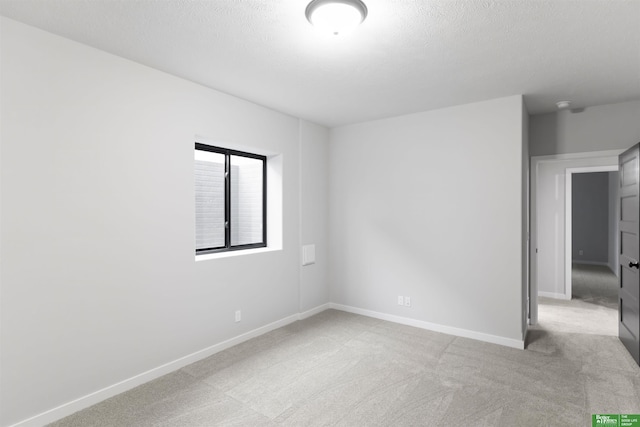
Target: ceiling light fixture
<point x="336" y="16"/>
<point x="563" y="105"/>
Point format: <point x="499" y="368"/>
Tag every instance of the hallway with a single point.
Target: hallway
<point x="593" y="308"/>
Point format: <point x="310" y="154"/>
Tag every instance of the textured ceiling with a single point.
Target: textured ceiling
<point x="408" y="56"/>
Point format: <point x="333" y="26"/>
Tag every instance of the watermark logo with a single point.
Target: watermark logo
<point x="615" y="420"/>
<point x="609" y="420"/>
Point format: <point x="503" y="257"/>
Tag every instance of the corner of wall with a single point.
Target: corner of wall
<point x="314" y="213"/>
<point x="526" y="235"/>
<point x="380" y="252"/>
<point x="1" y="261"/>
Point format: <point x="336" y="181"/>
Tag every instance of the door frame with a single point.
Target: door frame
<point x="568" y="224"/>
<point x="574" y="161"/>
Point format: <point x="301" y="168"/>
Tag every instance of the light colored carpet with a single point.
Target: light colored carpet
<point x="342" y="369"/>
<point x="593" y="308"/>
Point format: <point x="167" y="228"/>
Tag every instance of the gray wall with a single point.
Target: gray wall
<point x="314" y="188"/>
<point x="605" y="127"/>
<point x="590" y="217"/>
<point x="430" y="206"/>
<point x="106" y="286"/>
<point x="614" y="252"/>
<point x="525" y="220"/>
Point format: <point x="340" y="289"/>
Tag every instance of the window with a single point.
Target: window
<point x="231" y="205"/>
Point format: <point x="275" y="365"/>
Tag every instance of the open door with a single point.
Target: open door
<point x="629" y="291"/>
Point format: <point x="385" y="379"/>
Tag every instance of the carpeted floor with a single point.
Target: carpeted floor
<point x="342" y="369"/>
<point x="593" y="308"/>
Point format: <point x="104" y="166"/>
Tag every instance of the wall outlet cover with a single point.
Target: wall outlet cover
<point x="308" y="255"/>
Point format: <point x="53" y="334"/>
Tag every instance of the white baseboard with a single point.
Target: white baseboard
<point x="604" y="264"/>
<point x="314" y="311"/>
<point x="450" y="330"/>
<point x="613" y="269"/>
<point x="112" y="390"/>
<point x="553" y="295"/>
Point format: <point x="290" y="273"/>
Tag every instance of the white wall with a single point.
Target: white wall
<point x="525" y="221"/>
<point x="605" y="127"/>
<point x="314" y="187"/>
<point x="429" y="205"/>
<point x="612" y="244"/>
<point x="99" y="282"/>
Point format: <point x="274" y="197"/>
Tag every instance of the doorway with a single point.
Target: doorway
<point x="591" y="225"/>
<point x="550" y="245"/>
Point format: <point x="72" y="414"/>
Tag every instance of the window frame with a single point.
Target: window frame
<point x="227" y="199"/>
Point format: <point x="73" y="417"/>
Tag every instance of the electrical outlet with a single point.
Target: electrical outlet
<point x="407" y="301"/>
<point x="400" y="300"/>
<point x="581" y="252"/>
<point x="238" y="315"/>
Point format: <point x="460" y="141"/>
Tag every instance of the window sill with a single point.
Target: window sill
<point x="229" y="254"/>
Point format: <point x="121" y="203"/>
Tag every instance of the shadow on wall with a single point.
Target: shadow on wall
<point x="547" y="133"/>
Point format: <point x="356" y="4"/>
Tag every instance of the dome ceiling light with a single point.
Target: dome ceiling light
<point x="336" y="16"/>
